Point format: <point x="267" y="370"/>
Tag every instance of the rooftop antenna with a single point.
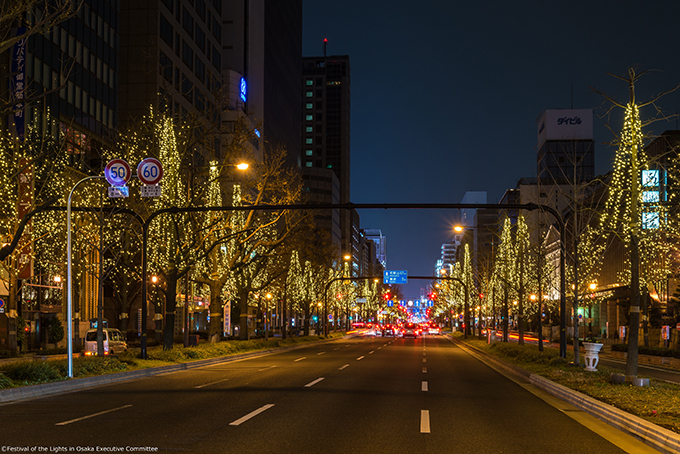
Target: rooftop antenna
<point x="325" y="44"/>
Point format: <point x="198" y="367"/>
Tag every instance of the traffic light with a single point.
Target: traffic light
<point x="432" y="296"/>
<point x="387" y="296"/>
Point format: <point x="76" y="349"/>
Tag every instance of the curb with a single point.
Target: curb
<point x="12" y="395"/>
<point x="657" y="437"/>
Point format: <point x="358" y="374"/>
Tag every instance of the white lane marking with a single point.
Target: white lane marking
<point x="424" y="354"/>
<point x="310" y="384"/>
<point x="336" y="348"/>
<point x="211" y="383"/>
<point x="424" y="370"/>
<point x="270" y="367"/>
<point x="300" y="359"/>
<point x="424" y="360"/>
<point x="424" y="421"/>
<point x="346" y="365"/>
<point x="379" y="348"/>
<point x="360" y="358"/>
<point x="347" y="345"/>
<point x="423" y="386"/>
<point x="92" y="415"/>
<point x="320" y="353"/>
<point x="252" y="414"/>
<point x="371" y="352"/>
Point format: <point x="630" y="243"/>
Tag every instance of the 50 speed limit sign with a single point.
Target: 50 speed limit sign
<point x="117" y="172"/>
<point x="150" y="171"/>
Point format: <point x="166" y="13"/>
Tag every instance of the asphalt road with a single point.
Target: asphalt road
<point x="377" y="395"/>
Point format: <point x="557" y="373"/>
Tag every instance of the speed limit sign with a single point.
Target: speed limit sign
<point x="117" y="172"/>
<point x="150" y="171"/>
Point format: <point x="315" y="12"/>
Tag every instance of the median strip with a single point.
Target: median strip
<point x="91" y="416"/>
<point x="252" y="414"/>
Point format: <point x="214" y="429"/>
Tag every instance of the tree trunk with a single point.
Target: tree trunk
<point x="633" y="329"/>
<point x="243" y="333"/>
<point x="307" y="318"/>
<point x="645" y="318"/>
<point x="216" y="312"/>
<point x="170" y="305"/>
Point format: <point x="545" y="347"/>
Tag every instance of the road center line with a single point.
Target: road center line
<point x="92" y="415"/>
<point x="320" y="353"/>
<point x="252" y="414"/>
<point x="211" y="383"/>
<point x="360" y="358"/>
<point x="270" y="367"/>
<point x="310" y="384"/>
<point x="346" y="365"/>
<point x="424" y="421"/>
<point x="424" y="360"/>
<point x="423" y="386"/>
<point x="300" y="359"/>
<point x="371" y="352"/>
<point x="336" y="348"/>
<point x="424" y="370"/>
<point x="424" y="354"/>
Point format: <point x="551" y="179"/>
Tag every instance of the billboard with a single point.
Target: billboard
<point x="565" y="124"/>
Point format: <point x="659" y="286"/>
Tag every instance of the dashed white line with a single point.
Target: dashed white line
<point x="371" y="352"/>
<point x="320" y="353"/>
<point x="423" y="386"/>
<point x="346" y="365"/>
<point x="360" y="358"/>
<point x="252" y="414"/>
<point x="300" y="359"/>
<point x="211" y="383"/>
<point x="91" y="416"/>
<point x="424" y="421"/>
<point x="310" y="384"/>
<point x="424" y="360"/>
<point x="336" y="348"/>
<point x="424" y="354"/>
<point x="270" y="367"/>
<point x="424" y="370"/>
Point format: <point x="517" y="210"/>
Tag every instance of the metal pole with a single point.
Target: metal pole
<point x="69" y="296"/>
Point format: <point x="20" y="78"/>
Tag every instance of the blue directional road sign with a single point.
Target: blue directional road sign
<point x="395" y="277"/>
<point x="390" y="303"/>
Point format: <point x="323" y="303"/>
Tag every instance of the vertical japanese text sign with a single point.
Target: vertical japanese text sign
<point x="17" y="84"/>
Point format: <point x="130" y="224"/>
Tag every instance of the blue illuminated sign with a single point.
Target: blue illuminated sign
<point x="243" y="89"/>
<point x="395" y="277"/>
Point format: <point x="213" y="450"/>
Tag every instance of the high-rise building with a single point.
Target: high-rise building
<point x="380" y="241"/>
<point x="326" y="128"/>
<point x="566" y="149"/>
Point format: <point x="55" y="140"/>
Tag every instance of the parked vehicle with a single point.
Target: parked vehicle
<point x="114" y="343"/>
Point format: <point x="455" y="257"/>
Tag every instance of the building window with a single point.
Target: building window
<point x="309" y="153"/>
<point x="309" y="117"/>
<point x="200" y="38"/>
<point x="166" y="67"/>
<point x="309" y="105"/>
<point x="166" y="30"/>
<point x="216" y="58"/>
<point x="187" y="55"/>
<point x="309" y="94"/>
<point x="309" y="140"/>
<point x="200" y="9"/>
<point x="217" y="29"/>
<point x="188" y="21"/>
<point x="309" y="129"/>
<point x="309" y="82"/>
<point x="187" y="88"/>
<point x="200" y="69"/>
<point x="308" y="163"/>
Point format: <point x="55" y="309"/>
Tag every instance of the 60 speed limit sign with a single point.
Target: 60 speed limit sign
<point x="117" y="172"/>
<point x="150" y="171"/>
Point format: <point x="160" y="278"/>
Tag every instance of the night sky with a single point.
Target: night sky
<point x="446" y="95"/>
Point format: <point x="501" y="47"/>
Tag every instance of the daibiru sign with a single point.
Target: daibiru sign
<point x="565" y="124"/>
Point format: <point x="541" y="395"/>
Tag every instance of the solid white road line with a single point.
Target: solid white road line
<point x="320" y="353"/>
<point x="423" y="386"/>
<point x="346" y="365"/>
<point x="91" y="416"/>
<point x="270" y="367"/>
<point x="360" y="358"/>
<point x="424" y="370"/>
<point x="310" y="384"/>
<point x="212" y="383"/>
<point x="300" y="359"/>
<point x="424" y="421"/>
<point x="252" y="414"/>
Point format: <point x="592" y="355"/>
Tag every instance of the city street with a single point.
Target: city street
<point x="381" y="395"/>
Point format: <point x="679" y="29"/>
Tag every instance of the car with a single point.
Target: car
<point x="411" y="330"/>
<point x="114" y="343"/>
<point x="433" y="329"/>
<point x="388" y="330"/>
